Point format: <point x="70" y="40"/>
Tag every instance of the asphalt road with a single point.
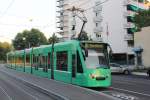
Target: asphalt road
<point x="12" y="89"/>
<point x="124" y="87"/>
<point x="129" y="87"/>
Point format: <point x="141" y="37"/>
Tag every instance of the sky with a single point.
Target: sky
<point x="18" y="15"/>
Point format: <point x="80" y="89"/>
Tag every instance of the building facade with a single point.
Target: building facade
<point x="142" y="48"/>
<point x="110" y="21"/>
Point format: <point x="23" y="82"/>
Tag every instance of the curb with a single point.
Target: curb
<point x="52" y="94"/>
<point x="140" y="74"/>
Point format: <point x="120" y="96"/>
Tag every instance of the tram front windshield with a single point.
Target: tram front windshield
<point x="97" y="56"/>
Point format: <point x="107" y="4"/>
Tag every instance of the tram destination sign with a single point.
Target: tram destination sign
<point x="94" y="45"/>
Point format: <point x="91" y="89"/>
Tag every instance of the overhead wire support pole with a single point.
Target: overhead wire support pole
<point x="74" y="11"/>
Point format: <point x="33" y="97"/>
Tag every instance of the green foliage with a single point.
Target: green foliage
<point x="142" y="19"/>
<point x="4" y="49"/>
<point x="28" y="39"/>
<point x="56" y="39"/>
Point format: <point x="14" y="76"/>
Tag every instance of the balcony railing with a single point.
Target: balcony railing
<point x="129" y="25"/>
<point x="98" y="29"/>
<point x="129" y="13"/>
<point x="62" y="3"/>
<point x="97" y="8"/>
<point x="128" y="37"/>
<point x="97" y="19"/>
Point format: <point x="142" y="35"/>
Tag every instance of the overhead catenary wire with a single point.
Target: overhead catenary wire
<point x="5" y="11"/>
<point x="77" y="4"/>
<point x="96" y="5"/>
<point x="82" y="4"/>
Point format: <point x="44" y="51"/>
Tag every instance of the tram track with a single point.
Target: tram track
<point x="14" y="89"/>
<point x="5" y="94"/>
<point x="128" y="88"/>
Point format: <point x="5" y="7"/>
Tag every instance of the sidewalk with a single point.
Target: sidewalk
<point x="64" y="90"/>
<point x="139" y="73"/>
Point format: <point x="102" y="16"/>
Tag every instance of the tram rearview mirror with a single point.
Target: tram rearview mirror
<point x="86" y="52"/>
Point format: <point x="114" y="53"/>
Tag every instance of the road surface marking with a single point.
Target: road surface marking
<point x="5" y="93"/>
<point x="130" y="91"/>
<point x="125" y="82"/>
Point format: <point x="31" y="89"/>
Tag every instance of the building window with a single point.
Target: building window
<point x="62" y="61"/>
<point x="130" y="43"/>
<point x="96" y="24"/>
<point x="96" y="14"/>
<point x="61" y="28"/>
<point x="61" y="14"/>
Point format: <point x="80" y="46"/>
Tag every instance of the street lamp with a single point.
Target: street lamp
<point x="24" y="56"/>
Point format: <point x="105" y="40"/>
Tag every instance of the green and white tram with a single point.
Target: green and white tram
<point x="84" y="63"/>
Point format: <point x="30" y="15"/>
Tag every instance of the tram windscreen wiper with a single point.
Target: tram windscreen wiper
<point x="102" y="66"/>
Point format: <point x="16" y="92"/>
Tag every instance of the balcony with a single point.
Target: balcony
<point x="134" y="3"/>
<point x="129" y="25"/>
<point x="129" y="13"/>
<point x="97" y="8"/>
<point x="61" y="3"/>
<point x="128" y="37"/>
<point x="98" y="30"/>
<point x="98" y="19"/>
<point x="62" y="24"/>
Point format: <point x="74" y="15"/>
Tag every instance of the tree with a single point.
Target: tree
<point x="142" y="19"/>
<point x="28" y="39"/>
<point x="4" y="49"/>
<point x="56" y="39"/>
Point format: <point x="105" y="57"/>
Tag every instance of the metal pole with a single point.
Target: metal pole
<point x="24" y="61"/>
<point x="52" y="61"/>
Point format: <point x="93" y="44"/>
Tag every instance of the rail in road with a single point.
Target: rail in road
<point x="68" y="91"/>
<point x="129" y="87"/>
<point x="12" y="89"/>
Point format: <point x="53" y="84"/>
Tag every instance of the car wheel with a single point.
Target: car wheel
<point x="126" y="72"/>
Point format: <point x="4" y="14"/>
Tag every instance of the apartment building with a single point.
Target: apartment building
<point x="142" y="48"/>
<point x="110" y="21"/>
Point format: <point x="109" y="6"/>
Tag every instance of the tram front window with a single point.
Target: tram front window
<point x="95" y="55"/>
<point x="96" y="59"/>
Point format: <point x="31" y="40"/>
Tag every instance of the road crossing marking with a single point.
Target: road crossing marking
<point x="131" y="91"/>
<point x="5" y="93"/>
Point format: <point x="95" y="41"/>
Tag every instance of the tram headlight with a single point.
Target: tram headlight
<point x="94" y="76"/>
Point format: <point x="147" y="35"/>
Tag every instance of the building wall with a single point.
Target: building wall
<point x="113" y="26"/>
<point x="142" y="39"/>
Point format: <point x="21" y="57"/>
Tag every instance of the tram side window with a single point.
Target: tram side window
<point x="79" y="64"/>
<point x="19" y="61"/>
<point x="48" y="61"/>
<point x="36" y="63"/>
<point x="33" y="61"/>
<point x="40" y="61"/>
<point x="13" y="60"/>
<point x="62" y="61"/>
<point x="44" y="63"/>
<point x="27" y="60"/>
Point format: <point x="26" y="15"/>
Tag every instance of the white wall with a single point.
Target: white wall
<point x="142" y="39"/>
<point x="112" y="13"/>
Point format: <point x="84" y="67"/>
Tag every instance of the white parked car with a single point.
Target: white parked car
<point x="117" y="68"/>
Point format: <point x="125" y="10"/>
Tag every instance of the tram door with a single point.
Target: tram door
<point x="74" y="62"/>
<point x="77" y="69"/>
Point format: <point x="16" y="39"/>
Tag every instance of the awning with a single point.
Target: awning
<point x="137" y="49"/>
<point x="133" y="8"/>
